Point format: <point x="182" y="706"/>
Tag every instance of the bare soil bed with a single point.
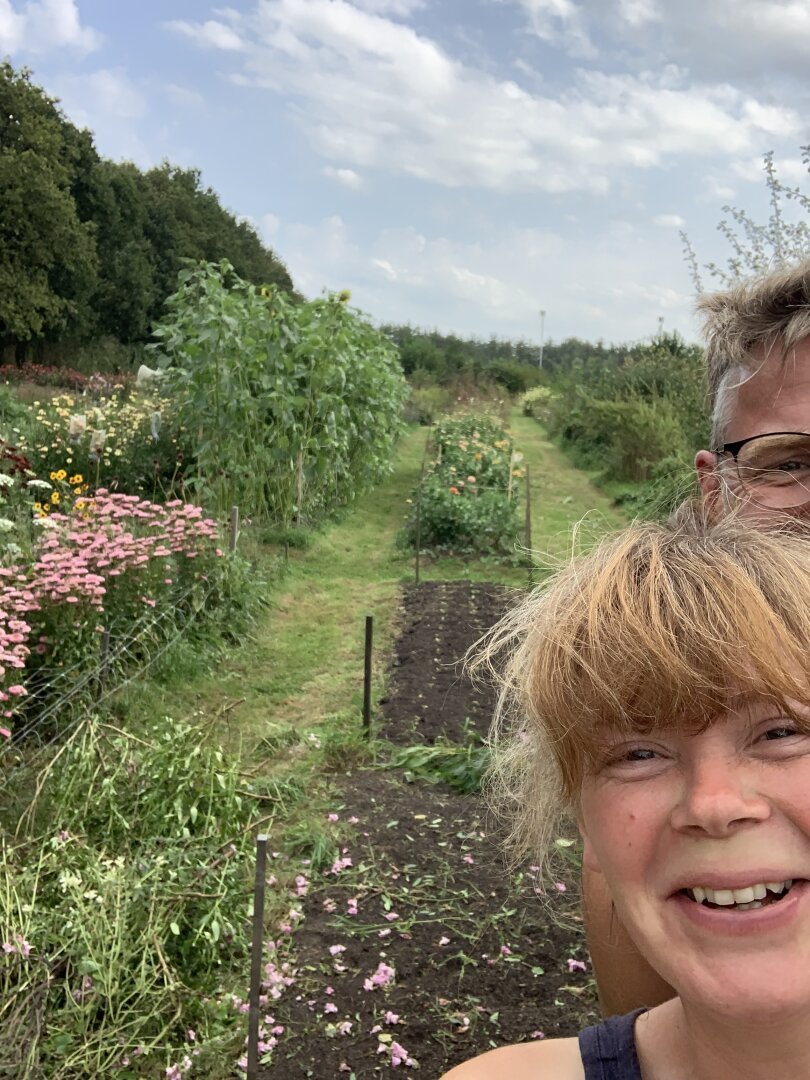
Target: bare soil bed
<point x="417" y="949"/>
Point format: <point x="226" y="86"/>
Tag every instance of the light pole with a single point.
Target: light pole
<point x="542" y="329"/>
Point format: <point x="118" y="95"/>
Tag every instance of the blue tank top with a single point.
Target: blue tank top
<point x="608" y="1050"/>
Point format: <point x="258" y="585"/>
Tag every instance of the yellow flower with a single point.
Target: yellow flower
<point x="54" y="476"/>
<point x="344" y="296"/>
<point x="80" y="504"/>
<point x="77" y="479"/>
<point x="55" y="497"/>
<point x="37" y="506"/>
<point x="61" y="475"/>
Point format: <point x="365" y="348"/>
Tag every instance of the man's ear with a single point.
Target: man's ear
<point x="708" y="477"/>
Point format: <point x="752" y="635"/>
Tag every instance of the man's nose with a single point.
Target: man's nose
<point x="719" y="796"/>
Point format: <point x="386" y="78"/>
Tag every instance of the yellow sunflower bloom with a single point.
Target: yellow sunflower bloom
<point x="61" y="475"/>
<point x="55" y="497"/>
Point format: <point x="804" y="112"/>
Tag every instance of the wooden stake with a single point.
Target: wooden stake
<point x="254" y="1011"/>
<point x="367" y="677"/>
<point x="234" y="532"/>
<point x="529" y="526"/>
<point x="419" y="522"/>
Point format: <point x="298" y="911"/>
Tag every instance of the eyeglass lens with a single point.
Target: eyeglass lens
<point x="775" y="470"/>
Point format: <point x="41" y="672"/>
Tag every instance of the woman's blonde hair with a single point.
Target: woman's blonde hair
<point x="655" y="628"/>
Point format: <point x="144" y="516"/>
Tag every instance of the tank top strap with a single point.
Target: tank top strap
<point x="608" y="1050"/>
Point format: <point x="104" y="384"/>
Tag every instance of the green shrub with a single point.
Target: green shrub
<point x="671" y="481"/>
<point x="460" y="519"/>
<point x="536" y="402"/>
<point x="425" y="404"/>
<point x="514" y="377"/>
<point x="625" y="438"/>
<point x="128" y="879"/>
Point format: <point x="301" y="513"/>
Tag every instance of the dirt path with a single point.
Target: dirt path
<point x="416" y="943"/>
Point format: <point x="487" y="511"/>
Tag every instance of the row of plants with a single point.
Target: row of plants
<point x="124" y="843"/>
<point x="294" y="408"/>
<point x="123" y="848"/>
<point x="635" y="421"/>
<point x="464" y="501"/>
<point x="65" y="378"/>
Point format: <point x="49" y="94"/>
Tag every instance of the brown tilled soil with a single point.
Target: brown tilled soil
<point x="477" y="960"/>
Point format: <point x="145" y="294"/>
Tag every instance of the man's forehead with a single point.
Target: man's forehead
<point x="776" y="397"/>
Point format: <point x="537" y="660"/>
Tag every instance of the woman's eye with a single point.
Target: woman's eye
<point x="784" y="731"/>
<point x="639" y="753"/>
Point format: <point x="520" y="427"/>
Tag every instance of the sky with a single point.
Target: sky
<point x="457" y="164"/>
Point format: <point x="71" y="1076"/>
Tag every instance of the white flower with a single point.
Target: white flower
<point x="6" y="525"/>
<point x="77" y="425"/>
<point x="146" y="375"/>
<point x="46" y="523"/>
<point x="39" y="484"/>
<point x="97" y="441"/>
<point x="6" y="481"/>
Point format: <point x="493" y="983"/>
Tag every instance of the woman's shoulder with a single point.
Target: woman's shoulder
<point x="556" y="1059"/>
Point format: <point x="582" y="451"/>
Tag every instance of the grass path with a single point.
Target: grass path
<point x="304" y="663"/>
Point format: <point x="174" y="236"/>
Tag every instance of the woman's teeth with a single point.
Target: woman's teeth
<point x="743" y="899"/>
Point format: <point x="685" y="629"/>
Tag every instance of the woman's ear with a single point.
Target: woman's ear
<point x="589" y="859"/>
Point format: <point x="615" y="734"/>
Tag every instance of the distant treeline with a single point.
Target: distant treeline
<point x="429" y="356"/>
<point x="91" y="248"/>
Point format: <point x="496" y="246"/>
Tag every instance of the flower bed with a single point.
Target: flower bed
<point x="63" y="377"/>
<point x="465" y="498"/>
<point x="99" y="567"/>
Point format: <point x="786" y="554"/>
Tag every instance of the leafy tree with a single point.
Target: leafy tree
<point x="47" y="253"/>
<point x="89" y="247"/>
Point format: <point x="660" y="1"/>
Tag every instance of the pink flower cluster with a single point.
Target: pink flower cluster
<point x="19" y="947"/>
<point x="78" y="556"/>
<point x="381" y="977"/>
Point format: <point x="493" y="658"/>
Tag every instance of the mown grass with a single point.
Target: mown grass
<point x="302" y="666"/>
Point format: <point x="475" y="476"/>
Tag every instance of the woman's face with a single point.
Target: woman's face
<point x="690" y="829"/>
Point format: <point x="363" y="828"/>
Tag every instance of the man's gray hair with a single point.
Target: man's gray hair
<point x="757" y="315"/>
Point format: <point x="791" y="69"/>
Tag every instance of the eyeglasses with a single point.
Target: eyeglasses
<point x="772" y="470"/>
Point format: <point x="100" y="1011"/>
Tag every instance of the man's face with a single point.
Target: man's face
<point x="775" y="398"/>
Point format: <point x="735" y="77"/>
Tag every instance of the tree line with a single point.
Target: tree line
<point x="90" y="247"/>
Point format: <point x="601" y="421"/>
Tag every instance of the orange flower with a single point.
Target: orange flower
<point x="454" y="491"/>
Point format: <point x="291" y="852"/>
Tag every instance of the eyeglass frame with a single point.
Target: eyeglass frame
<point x="735" y="447"/>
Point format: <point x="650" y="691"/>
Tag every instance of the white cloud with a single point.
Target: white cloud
<point x="716" y="188"/>
<point x="613" y="282"/>
<point x="639" y="12"/>
<point x="213" y="34"/>
<point x="790" y="170"/>
<point x="347" y="177"/>
<point x="669" y="221"/>
<point x="183" y="96"/>
<point x="104" y="92"/>
<point x="560" y="22"/>
<point x="43" y="26"/>
<point x="107" y="102"/>
<point x="269" y="225"/>
<point x="391" y="7"/>
<point x="373" y="93"/>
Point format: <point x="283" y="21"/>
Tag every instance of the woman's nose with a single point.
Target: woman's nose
<point x="719" y="796"/>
